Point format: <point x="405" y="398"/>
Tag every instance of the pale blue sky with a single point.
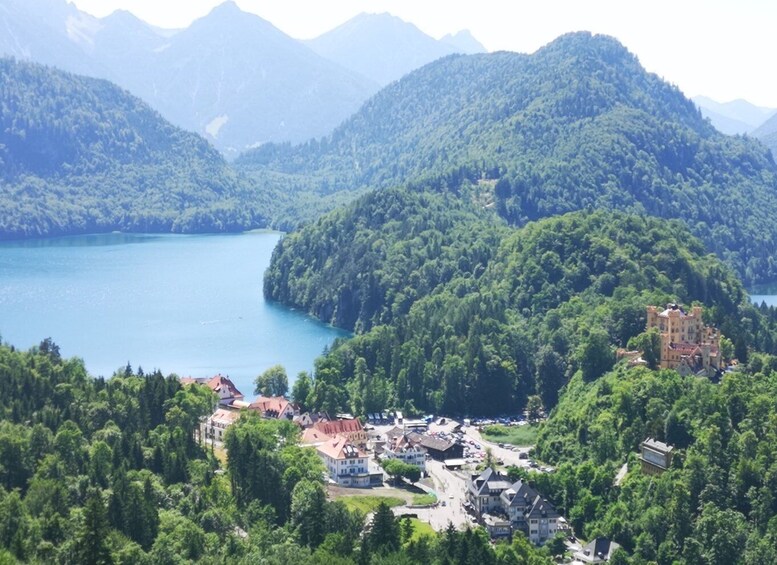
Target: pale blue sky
<point x="724" y="49"/>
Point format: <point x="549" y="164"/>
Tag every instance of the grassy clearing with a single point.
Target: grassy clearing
<point x="367" y="504"/>
<point x="522" y="436"/>
<point x="423" y="499"/>
<point x="420" y="529"/>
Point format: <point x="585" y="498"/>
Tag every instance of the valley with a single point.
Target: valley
<point x="505" y="319"/>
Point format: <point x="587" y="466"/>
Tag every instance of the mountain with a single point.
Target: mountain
<point x="238" y="79"/>
<point x="384" y="48"/>
<point x="464" y="42"/>
<point x="767" y="133"/>
<point x="81" y="155"/>
<point x="579" y="124"/>
<point x="48" y="31"/>
<point x="231" y="76"/>
<point x="735" y="117"/>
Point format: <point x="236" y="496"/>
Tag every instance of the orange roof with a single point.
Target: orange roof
<point x="264" y="404"/>
<point x="188" y="381"/>
<point x="339" y="427"/>
<point x="340" y="448"/>
<point x="312" y="436"/>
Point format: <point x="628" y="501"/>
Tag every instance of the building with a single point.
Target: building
<point x="497" y="502"/>
<point x="216" y="425"/>
<point x="346" y="464"/>
<point x="274" y="407"/>
<point x="403" y="449"/>
<point x="598" y="550"/>
<point x="350" y="429"/>
<point x="222" y="386"/>
<point x="655" y="456"/>
<point x="687" y="345"/>
<point x="438" y="449"/>
<point x="530" y="513"/>
<point x="484" y="491"/>
<point x="307" y="419"/>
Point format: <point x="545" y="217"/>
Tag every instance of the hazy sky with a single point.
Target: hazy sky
<point x="724" y="49"/>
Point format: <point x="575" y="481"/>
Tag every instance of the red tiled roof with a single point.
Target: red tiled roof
<point x="220" y="382"/>
<point x="339" y="427"/>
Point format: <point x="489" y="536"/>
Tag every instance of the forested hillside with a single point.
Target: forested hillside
<point x="579" y="124"/>
<point x="81" y="155"/>
<point x="462" y="315"/>
<point x="714" y="506"/>
<point x="97" y="471"/>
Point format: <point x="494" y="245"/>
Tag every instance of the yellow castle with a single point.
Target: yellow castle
<point x="687" y="345"/>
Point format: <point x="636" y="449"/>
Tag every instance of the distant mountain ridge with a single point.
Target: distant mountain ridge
<point x="80" y="155"/>
<point x="384" y="48"/>
<point x="735" y="117"/>
<point x="231" y="76"/>
<point x="229" y="69"/>
<point x="579" y="124"/>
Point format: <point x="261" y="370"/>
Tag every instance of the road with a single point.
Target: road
<point x="451" y="489"/>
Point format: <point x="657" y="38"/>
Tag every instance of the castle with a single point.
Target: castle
<point x="687" y="345"/>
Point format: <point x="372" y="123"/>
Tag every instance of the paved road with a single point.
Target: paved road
<point x="450" y="489"/>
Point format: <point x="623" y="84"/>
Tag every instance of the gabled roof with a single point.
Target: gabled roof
<point x="541" y="508"/>
<point x="221" y="383"/>
<point x="430" y="442"/>
<point x="340" y="448"/>
<point x="402" y="444"/>
<point x="270" y="405"/>
<point x="602" y="548"/>
<point x="339" y="427"/>
<point x="312" y="436"/>
<point x="487" y="481"/>
<point x="224" y="416"/>
<point x="520" y="494"/>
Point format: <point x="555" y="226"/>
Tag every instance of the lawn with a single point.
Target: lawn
<point x="424" y="499"/>
<point x="522" y="436"/>
<point x="420" y="529"/>
<point x="367" y="504"/>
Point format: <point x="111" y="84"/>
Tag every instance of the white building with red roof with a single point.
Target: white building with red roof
<point x="222" y="386"/>
<point x="346" y="464"/>
<point x="217" y="423"/>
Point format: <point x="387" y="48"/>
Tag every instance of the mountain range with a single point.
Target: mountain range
<point x="579" y="124"/>
<point x="81" y="155"/>
<point x="230" y="76"/>
<point x="384" y="48"/>
<point x="735" y="117"/>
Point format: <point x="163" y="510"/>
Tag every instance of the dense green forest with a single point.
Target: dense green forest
<point x="100" y="472"/>
<point x="716" y="505"/>
<point x="81" y="155"/>
<point x="456" y="313"/>
<point x="577" y="125"/>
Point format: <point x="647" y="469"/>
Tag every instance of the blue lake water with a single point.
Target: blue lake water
<point x="185" y="304"/>
<point x="764" y="293"/>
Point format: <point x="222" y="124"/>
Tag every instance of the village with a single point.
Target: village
<point x="444" y="471"/>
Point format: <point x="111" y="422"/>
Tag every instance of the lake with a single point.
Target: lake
<point x="185" y="304"/>
<point x="764" y="293"/>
